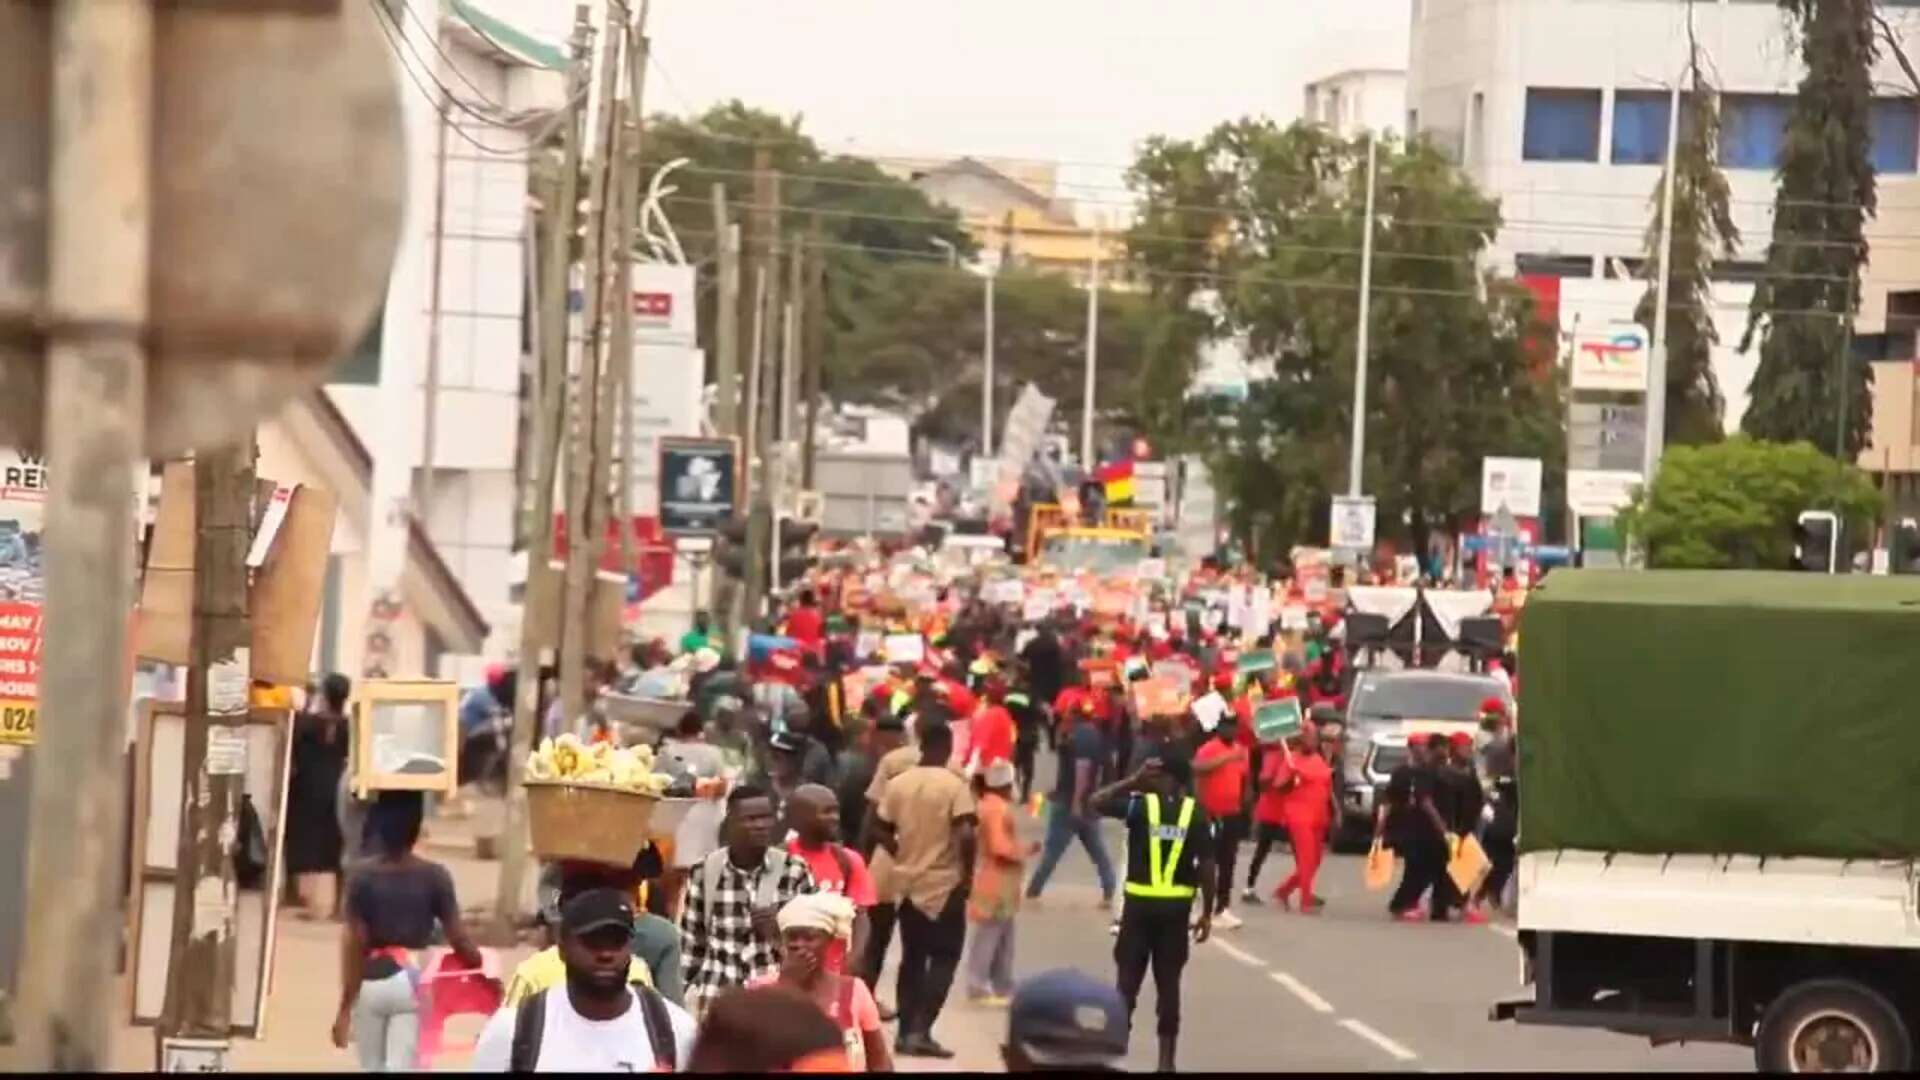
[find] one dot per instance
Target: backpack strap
(666, 1050)
(529, 1028)
(845, 863)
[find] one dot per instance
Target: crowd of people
(879, 752)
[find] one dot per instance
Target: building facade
(1352, 102)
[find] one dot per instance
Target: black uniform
(1410, 831)
(1505, 826)
(1154, 930)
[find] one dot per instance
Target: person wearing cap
(995, 897)
(559, 883)
(1461, 780)
(1065, 1021)
(1170, 846)
(1409, 820)
(809, 928)
(596, 1021)
(1498, 760)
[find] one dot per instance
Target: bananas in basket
(567, 759)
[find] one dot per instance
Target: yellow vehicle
(1055, 540)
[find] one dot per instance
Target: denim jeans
(386, 1023)
(1062, 829)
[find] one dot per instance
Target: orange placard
(1158, 696)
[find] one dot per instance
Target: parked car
(1384, 708)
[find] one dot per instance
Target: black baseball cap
(596, 909)
(1068, 1018)
(786, 742)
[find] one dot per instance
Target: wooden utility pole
(815, 349)
(766, 263)
(630, 195)
(726, 323)
(558, 197)
(200, 973)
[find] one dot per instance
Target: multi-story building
(1357, 100)
(1014, 213)
(1560, 108)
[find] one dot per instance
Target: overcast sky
(1074, 81)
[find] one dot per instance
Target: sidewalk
(305, 992)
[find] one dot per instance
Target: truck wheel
(1832, 1025)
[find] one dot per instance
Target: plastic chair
(447, 990)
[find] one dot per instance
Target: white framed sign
(1614, 358)
(1512, 483)
(1353, 522)
(1600, 492)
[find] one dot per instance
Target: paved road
(1344, 990)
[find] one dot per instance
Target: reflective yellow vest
(1163, 863)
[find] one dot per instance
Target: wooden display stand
(406, 736)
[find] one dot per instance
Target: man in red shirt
(814, 812)
(993, 729)
(806, 625)
(1220, 768)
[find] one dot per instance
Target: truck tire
(1832, 1025)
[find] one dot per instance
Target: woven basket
(589, 822)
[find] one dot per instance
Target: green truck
(1720, 812)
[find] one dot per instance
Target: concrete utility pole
(1093, 357)
(726, 323)
(1358, 449)
(204, 950)
(766, 260)
(1657, 361)
(99, 211)
(558, 198)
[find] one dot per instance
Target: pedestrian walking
(727, 927)
(886, 908)
(809, 926)
(1409, 820)
(655, 947)
(995, 896)
(315, 844)
(815, 818)
(1220, 766)
(1069, 815)
(395, 901)
(1304, 779)
(1065, 1021)
(1498, 762)
(1169, 860)
(596, 1020)
(1460, 779)
(926, 821)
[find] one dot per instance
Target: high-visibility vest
(1163, 863)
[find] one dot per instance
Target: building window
(1561, 125)
(1896, 135)
(1753, 130)
(1560, 266)
(1640, 126)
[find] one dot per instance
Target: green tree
(1806, 387)
(1270, 220)
(1703, 233)
(1732, 505)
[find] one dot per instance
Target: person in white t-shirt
(596, 1021)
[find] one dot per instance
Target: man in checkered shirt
(727, 928)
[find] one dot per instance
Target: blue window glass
(1753, 130)
(1640, 126)
(1561, 125)
(1896, 135)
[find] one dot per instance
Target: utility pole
(726, 323)
(1657, 365)
(586, 472)
(1093, 357)
(781, 493)
(623, 352)
(558, 197)
(986, 370)
(201, 970)
(99, 208)
(816, 349)
(766, 258)
(1358, 450)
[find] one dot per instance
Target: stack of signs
(1158, 696)
(1277, 719)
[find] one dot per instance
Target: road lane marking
(1392, 1048)
(1302, 991)
(1240, 954)
(1504, 931)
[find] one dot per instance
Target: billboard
(699, 484)
(1512, 484)
(1614, 358)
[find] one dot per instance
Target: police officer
(1169, 860)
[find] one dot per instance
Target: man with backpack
(814, 814)
(728, 930)
(597, 1021)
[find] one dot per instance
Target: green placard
(1254, 663)
(1277, 719)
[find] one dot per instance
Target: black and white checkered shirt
(721, 950)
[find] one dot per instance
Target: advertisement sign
(1352, 525)
(1600, 492)
(1614, 358)
(23, 493)
(1512, 484)
(699, 484)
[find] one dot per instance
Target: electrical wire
(433, 38)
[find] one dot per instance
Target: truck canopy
(1721, 712)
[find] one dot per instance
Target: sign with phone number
(18, 719)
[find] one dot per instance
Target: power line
(433, 38)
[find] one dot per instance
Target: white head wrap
(830, 912)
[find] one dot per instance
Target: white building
(1560, 107)
(1357, 100)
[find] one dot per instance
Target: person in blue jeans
(1082, 749)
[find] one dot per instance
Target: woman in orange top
(1307, 810)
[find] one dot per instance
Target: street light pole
(1093, 355)
(1359, 446)
(986, 375)
(953, 254)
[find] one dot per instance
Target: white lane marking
(1393, 1049)
(1240, 954)
(1302, 991)
(1504, 931)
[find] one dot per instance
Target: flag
(1117, 478)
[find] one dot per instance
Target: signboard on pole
(699, 484)
(1026, 422)
(1600, 492)
(1513, 483)
(1353, 523)
(1614, 358)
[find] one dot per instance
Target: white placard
(1612, 358)
(226, 750)
(905, 648)
(1353, 522)
(1510, 482)
(1600, 492)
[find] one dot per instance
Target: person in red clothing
(1306, 783)
(1269, 815)
(1220, 768)
(806, 625)
(993, 729)
(814, 813)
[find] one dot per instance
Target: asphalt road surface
(1343, 990)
